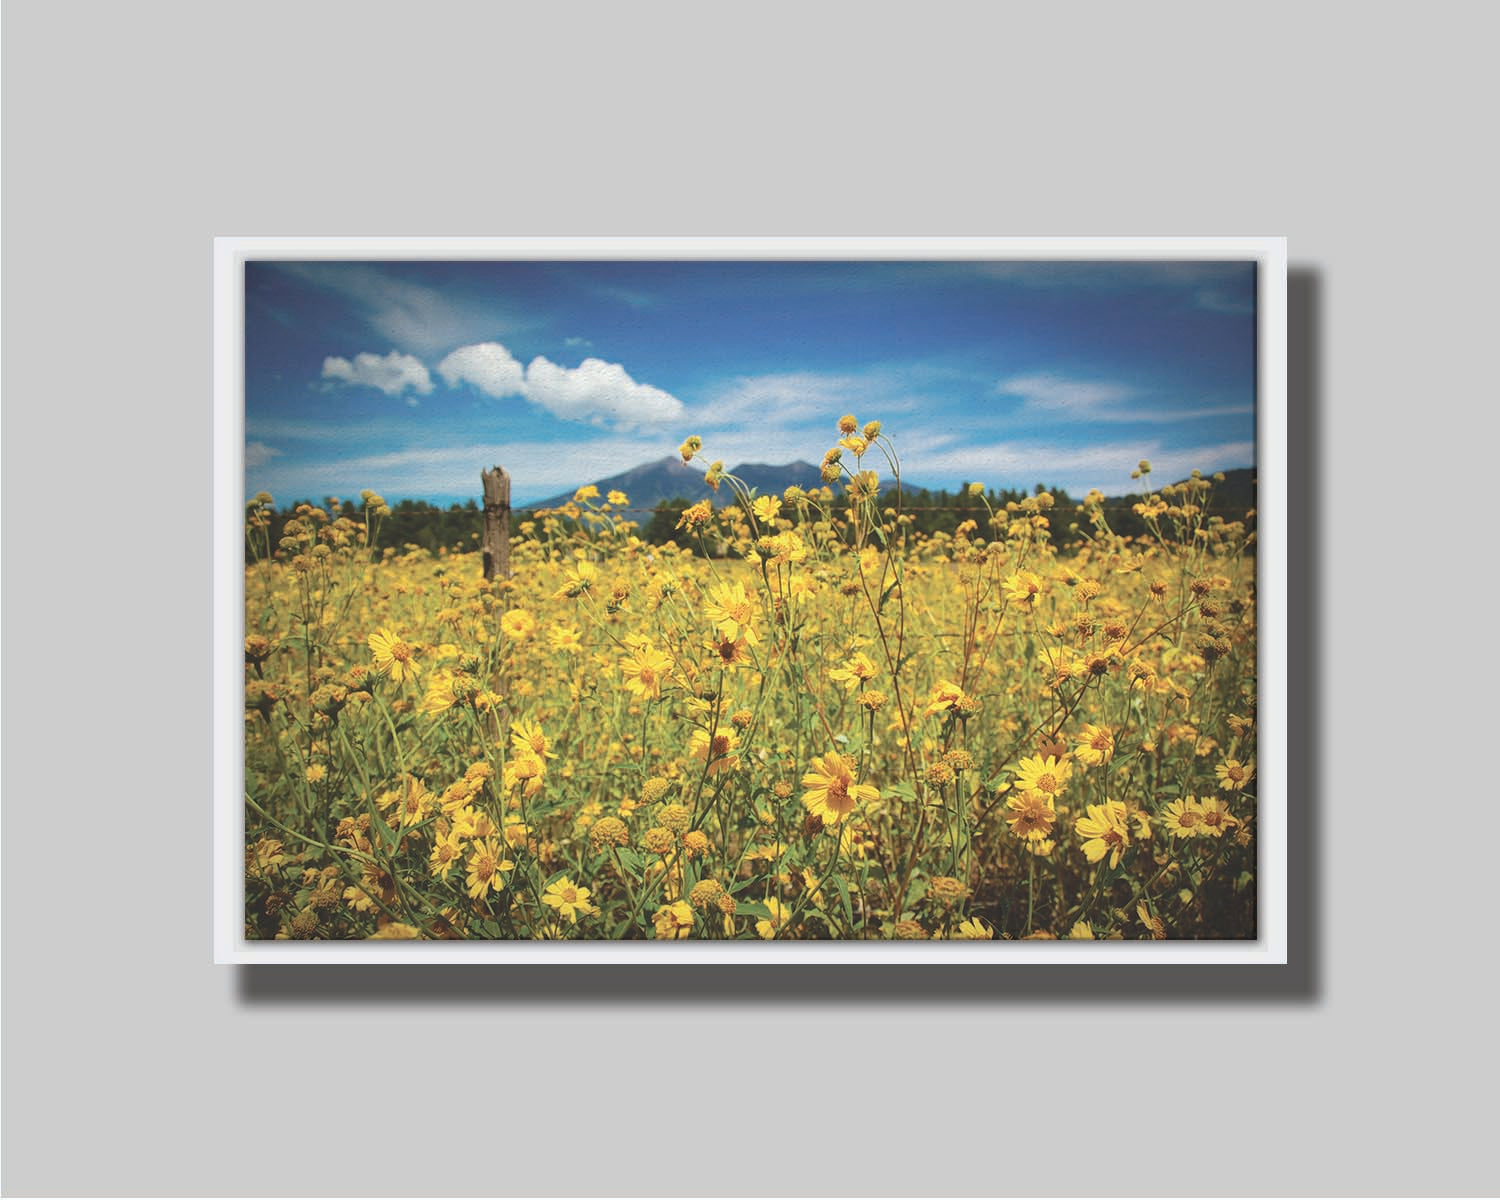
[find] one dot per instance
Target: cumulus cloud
(392, 374)
(488, 366)
(595, 391)
(600, 392)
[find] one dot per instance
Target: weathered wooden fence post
(496, 523)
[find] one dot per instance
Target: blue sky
(411, 377)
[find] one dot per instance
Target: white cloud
(392, 374)
(814, 401)
(595, 391)
(488, 366)
(413, 316)
(598, 392)
(1058, 394)
(1076, 468)
(1092, 400)
(258, 454)
(538, 469)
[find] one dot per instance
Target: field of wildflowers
(819, 725)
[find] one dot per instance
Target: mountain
(670, 478)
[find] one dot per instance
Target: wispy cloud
(258, 454)
(1106, 466)
(815, 399)
(630, 297)
(1220, 287)
(1056, 393)
(407, 314)
(1069, 399)
(392, 374)
(538, 469)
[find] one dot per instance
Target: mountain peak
(669, 478)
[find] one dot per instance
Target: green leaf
(633, 863)
(842, 885)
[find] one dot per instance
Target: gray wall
(135, 133)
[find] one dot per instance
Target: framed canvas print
(754, 600)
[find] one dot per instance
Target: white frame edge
(230, 255)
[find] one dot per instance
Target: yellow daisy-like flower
(1023, 587)
(1105, 832)
(1233, 774)
(1216, 818)
(673, 920)
(769, 927)
(440, 695)
(565, 638)
(569, 899)
(729, 653)
(718, 752)
(393, 657)
(1046, 775)
(1183, 818)
(1095, 746)
(1031, 815)
(833, 788)
(618, 498)
(644, 670)
(766, 508)
(487, 866)
(447, 852)
(857, 669)
(518, 625)
(580, 578)
(975, 929)
(416, 803)
(396, 931)
(528, 736)
(732, 611)
(525, 769)
(945, 695)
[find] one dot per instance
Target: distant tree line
(410, 523)
(459, 527)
